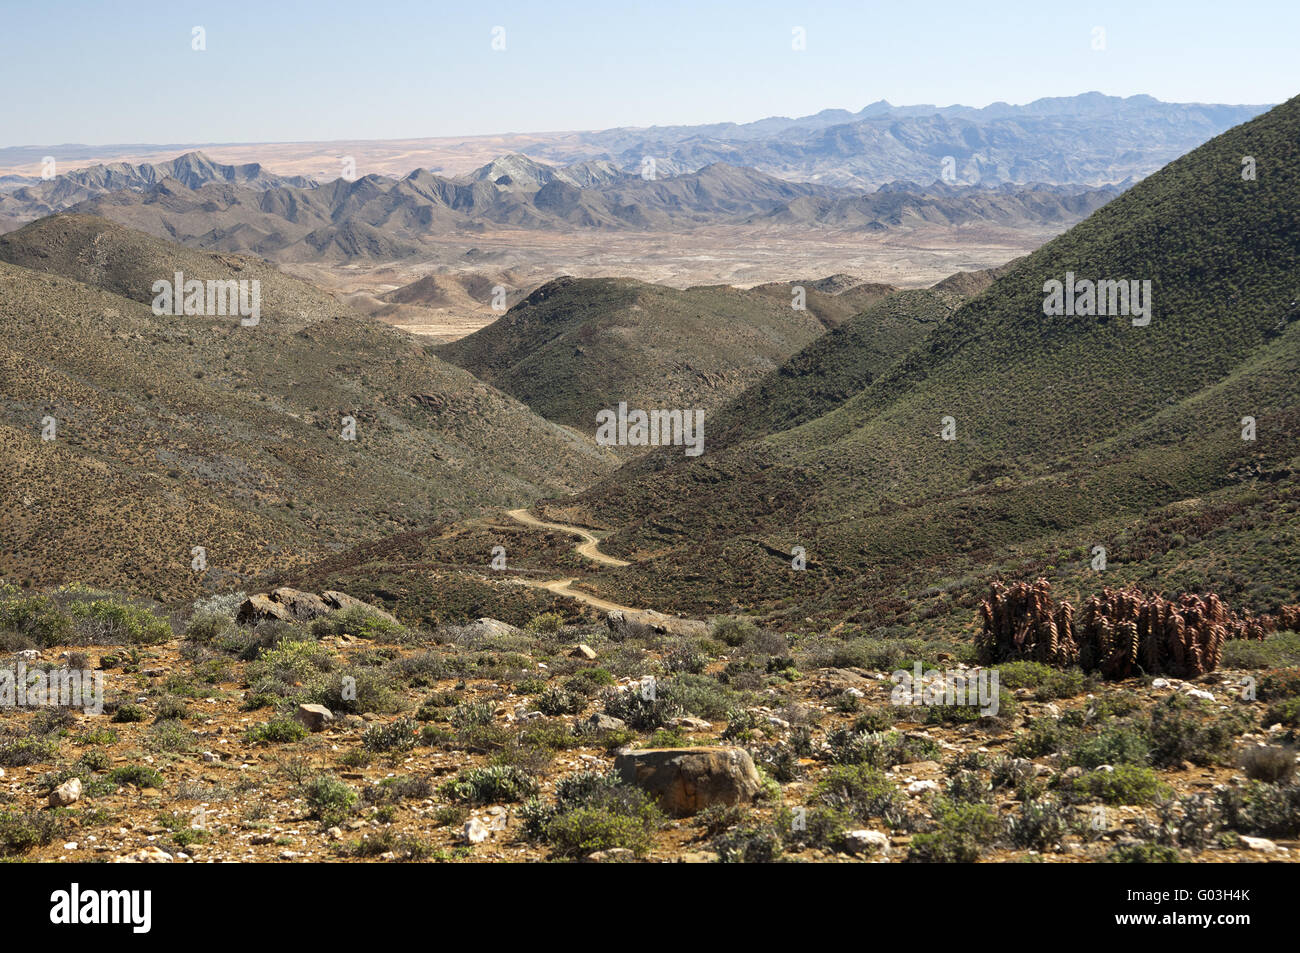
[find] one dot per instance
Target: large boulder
(303, 606)
(687, 780)
(623, 625)
(314, 717)
(294, 605)
(261, 607)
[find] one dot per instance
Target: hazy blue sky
(118, 72)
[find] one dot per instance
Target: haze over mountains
(1088, 139)
(224, 208)
(1048, 163)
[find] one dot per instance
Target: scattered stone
(211, 758)
(602, 722)
(489, 629)
(584, 651)
(146, 855)
(475, 832)
(69, 792)
(866, 842)
(612, 855)
(1201, 693)
(697, 857)
(689, 723)
(314, 717)
(1259, 843)
(917, 788)
(687, 780)
(1160, 683)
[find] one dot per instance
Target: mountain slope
(1070, 431)
(175, 432)
(575, 347)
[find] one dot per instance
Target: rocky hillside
(167, 433)
(1077, 441)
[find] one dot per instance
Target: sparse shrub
(1284, 712)
(360, 622)
(329, 800)
(545, 623)
(697, 695)
(861, 791)
(558, 701)
(1044, 736)
(136, 775)
(639, 712)
(29, 750)
(685, 658)
(589, 681)
(749, 844)
(110, 622)
(472, 715)
(36, 619)
(733, 631)
(1040, 824)
(172, 708)
(1118, 743)
(1267, 810)
(880, 749)
(969, 787)
(398, 735)
(1126, 784)
(964, 831)
(279, 730)
(403, 847)
(1143, 854)
(169, 735)
(493, 784)
(1269, 763)
(20, 831)
(1182, 729)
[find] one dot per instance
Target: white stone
(866, 842)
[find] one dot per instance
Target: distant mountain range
(1089, 139)
(247, 210)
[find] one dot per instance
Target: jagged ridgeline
(169, 432)
(1069, 431)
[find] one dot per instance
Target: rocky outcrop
(687, 780)
(624, 625)
(294, 605)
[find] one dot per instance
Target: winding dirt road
(589, 547)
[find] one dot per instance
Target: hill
(1071, 432)
(575, 346)
(172, 432)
